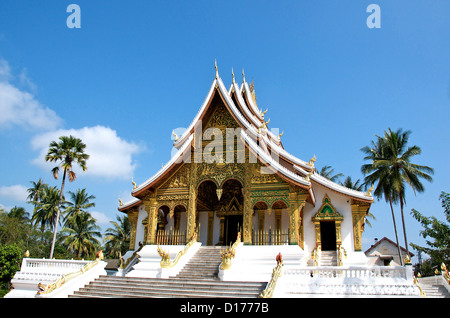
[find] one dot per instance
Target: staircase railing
(165, 257)
(342, 254)
(229, 253)
(315, 255)
(445, 276)
(416, 282)
(270, 288)
(48, 288)
(125, 266)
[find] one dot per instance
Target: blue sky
(136, 70)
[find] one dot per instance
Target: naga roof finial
(243, 75)
(217, 72)
(232, 74)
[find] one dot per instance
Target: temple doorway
(233, 224)
(328, 235)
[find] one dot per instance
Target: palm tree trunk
(403, 224)
(396, 235)
(57, 214)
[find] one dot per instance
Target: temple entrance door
(328, 235)
(232, 224)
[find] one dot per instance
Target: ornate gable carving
(327, 212)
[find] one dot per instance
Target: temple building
(230, 173)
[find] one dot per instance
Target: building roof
(257, 137)
(386, 240)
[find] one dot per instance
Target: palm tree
(80, 235)
(81, 201)
(19, 213)
(327, 172)
(68, 151)
(403, 171)
(378, 174)
(35, 192)
(47, 207)
(348, 183)
(392, 168)
(118, 238)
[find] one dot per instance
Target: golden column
(133, 218)
(192, 207)
(150, 204)
(248, 211)
(359, 211)
(296, 203)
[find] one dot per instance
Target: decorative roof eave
(131, 204)
(276, 167)
(286, 155)
(216, 86)
(354, 194)
(245, 90)
(176, 159)
(242, 105)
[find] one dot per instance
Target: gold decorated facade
(239, 190)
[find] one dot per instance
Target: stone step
(197, 279)
(111, 286)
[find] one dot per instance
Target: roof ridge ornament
(134, 183)
(311, 161)
(175, 135)
(263, 112)
(369, 192)
(217, 72)
(232, 74)
(279, 136)
(243, 76)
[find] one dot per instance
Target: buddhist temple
(231, 173)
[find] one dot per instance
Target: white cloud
(16, 192)
(110, 155)
(18, 107)
(101, 218)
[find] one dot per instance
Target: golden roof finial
(134, 183)
(232, 74)
(369, 192)
(243, 75)
(120, 202)
(263, 112)
(279, 136)
(175, 135)
(217, 71)
(311, 161)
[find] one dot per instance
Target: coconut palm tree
(391, 166)
(47, 207)
(35, 192)
(327, 172)
(80, 235)
(348, 183)
(19, 213)
(376, 173)
(117, 238)
(68, 151)
(80, 202)
(404, 172)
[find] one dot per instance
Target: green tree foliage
(436, 233)
(67, 152)
(80, 235)
(117, 238)
(391, 169)
(10, 261)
